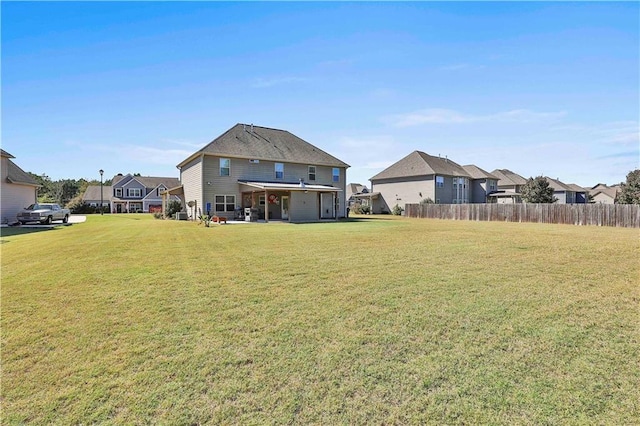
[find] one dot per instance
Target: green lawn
(126, 319)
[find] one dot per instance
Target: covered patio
(294, 202)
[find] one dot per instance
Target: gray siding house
(17, 189)
(131, 194)
(272, 172)
(509, 185)
(419, 176)
(482, 185)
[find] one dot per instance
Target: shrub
(173, 208)
(426, 201)
(397, 210)
(157, 215)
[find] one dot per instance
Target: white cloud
(449, 116)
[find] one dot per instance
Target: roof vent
(302, 185)
(251, 127)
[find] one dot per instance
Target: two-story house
(509, 185)
(420, 176)
(273, 173)
(131, 194)
(17, 188)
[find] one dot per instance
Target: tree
(537, 190)
(630, 190)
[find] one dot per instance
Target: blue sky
(538, 88)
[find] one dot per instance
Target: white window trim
(315, 170)
(225, 203)
(220, 167)
(275, 169)
(118, 192)
(130, 190)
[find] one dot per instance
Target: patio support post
(266, 206)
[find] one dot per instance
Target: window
(225, 167)
(118, 192)
(133, 192)
(336, 174)
(225, 203)
(312, 172)
(161, 189)
(261, 200)
(440, 181)
(279, 171)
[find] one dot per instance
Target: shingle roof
(477, 173)
(93, 193)
(609, 191)
(149, 182)
(153, 182)
(263, 143)
(4, 153)
(16, 175)
(419, 163)
(577, 188)
(557, 185)
(507, 177)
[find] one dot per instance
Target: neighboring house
(93, 197)
(509, 186)
(582, 194)
(419, 176)
(17, 189)
(562, 193)
(131, 194)
(354, 189)
(272, 172)
(567, 193)
(604, 194)
(482, 185)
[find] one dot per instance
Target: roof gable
(477, 173)
(16, 175)
(263, 143)
(419, 163)
(507, 177)
(92, 193)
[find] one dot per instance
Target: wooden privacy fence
(622, 215)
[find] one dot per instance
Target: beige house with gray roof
(273, 173)
(17, 189)
(420, 176)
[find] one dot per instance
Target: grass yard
(126, 319)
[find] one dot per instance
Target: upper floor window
(225, 167)
(440, 181)
(161, 189)
(118, 192)
(312, 172)
(279, 171)
(134, 192)
(336, 174)
(493, 185)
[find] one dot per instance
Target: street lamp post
(101, 202)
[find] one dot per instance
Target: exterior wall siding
(304, 206)
(13, 197)
(242, 169)
(478, 191)
(394, 191)
(191, 179)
